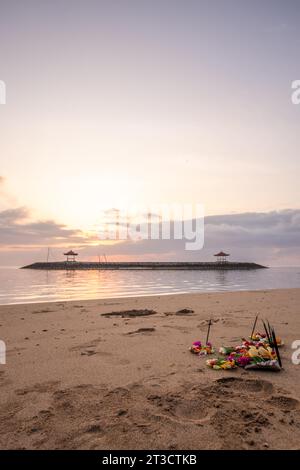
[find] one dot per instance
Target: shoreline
(75, 379)
(162, 294)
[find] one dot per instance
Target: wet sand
(78, 379)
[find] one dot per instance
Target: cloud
(269, 238)
(11, 216)
(17, 230)
(276, 228)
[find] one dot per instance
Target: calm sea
(24, 286)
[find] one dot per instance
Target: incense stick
(267, 333)
(208, 330)
(254, 325)
(276, 347)
(270, 329)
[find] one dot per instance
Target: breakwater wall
(149, 265)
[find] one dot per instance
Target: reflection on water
(23, 286)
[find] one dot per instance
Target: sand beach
(78, 379)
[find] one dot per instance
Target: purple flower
(197, 343)
(243, 361)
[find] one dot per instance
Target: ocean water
(26, 286)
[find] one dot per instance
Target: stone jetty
(149, 265)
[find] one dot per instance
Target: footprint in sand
(245, 385)
(191, 409)
(284, 403)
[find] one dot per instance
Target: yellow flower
(253, 351)
(264, 352)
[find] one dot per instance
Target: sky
(118, 102)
